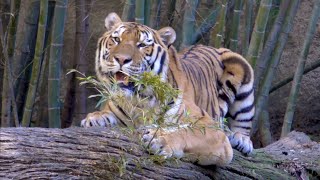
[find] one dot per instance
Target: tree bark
(100, 153)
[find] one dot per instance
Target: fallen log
(100, 153)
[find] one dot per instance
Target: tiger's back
(222, 83)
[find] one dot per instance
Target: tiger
(213, 84)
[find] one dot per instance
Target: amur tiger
(214, 83)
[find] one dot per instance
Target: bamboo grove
(32, 47)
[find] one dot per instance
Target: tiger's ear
(168, 35)
(111, 20)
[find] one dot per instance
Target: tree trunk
(94, 153)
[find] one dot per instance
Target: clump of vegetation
(136, 107)
(140, 112)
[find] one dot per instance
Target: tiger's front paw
(241, 143)
(99, 119)
(158, 143)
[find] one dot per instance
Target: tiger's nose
(122, 59)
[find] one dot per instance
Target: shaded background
(307, 114)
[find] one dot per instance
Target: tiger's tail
(236, 96)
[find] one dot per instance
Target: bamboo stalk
(140, 11)
(9, 76)
(42, 120)
(264, 125)
(235, 26)
(218, 37)
(229, 13)
(6, 100)
(288, 118)
(55, 63)
(205, 26)
(287, 80)
(270, 44)
(155, 14)
(147, 11)
(128, 12)
(267, 80)
(170, 13)
(258, 31)
(248, 14)
(33, 85)
(24, 52)
(81, 41)
(273, 15)
(188, 24)
(207, 6)
(75, 106)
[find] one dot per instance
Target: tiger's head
(129, 49)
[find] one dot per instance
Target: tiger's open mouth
(121, 77)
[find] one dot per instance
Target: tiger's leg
(240, 124)
(241, 114)
(206, 146)
(109, 116)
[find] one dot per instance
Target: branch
(284, 82)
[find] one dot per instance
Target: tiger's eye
(117, 39)
(141, 45)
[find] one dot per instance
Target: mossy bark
(79, 153)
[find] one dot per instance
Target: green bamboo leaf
(96, 95)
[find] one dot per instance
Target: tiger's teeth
(126, 80)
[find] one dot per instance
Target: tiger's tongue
(121, 77)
